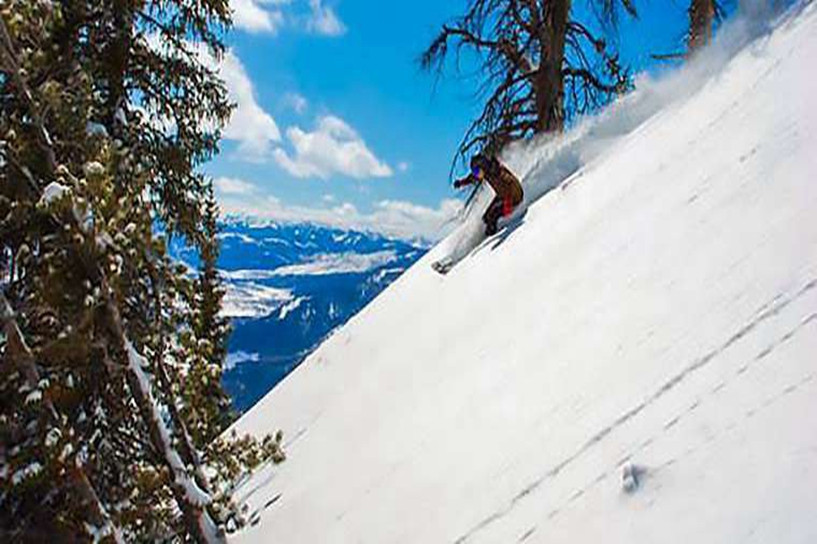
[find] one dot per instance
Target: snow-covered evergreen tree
(111, 353)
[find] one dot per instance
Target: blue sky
(337, 124)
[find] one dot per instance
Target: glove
(460, 183)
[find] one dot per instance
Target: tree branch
(586, 76)
(21, 354)
(198, 521)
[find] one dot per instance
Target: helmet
(479, 162)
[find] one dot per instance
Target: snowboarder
(506, 186)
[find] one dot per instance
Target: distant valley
(288, 287)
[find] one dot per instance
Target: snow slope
(659, 309)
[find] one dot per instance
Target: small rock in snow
(631, 477)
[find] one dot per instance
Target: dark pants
(491, 216)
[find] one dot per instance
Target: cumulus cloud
(252, 127)
(323, 20)
(406, 219)
(394, 218)
(258, 16)
(233, 186)
(332, 148)
(268, 16)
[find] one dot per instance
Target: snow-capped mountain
(288, 287)
(633, 362)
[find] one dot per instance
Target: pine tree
(206, 406)
(111, 352)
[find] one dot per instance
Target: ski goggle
(476, 171)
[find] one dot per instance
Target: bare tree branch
(535, 68)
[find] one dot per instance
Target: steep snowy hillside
(291, 285)
(654, 317)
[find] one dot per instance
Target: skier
(506, 186)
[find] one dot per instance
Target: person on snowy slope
(506, 186)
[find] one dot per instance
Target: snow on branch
(189, 497)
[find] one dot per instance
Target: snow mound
(650, 326)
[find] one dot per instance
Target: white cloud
(323, 20)
(233, 186)
(332, 148)
(268, 16)
(406, 219)
(258, 16)
(395, 218)
(403, 166)
(250, 125)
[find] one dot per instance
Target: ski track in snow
(776, 306)
(659, 313)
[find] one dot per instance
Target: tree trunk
(18, 351)
(548, 84)
(187, 449)
(188, 495)
(701, 17)
(117, 59)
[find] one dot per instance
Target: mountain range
(288, 287)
